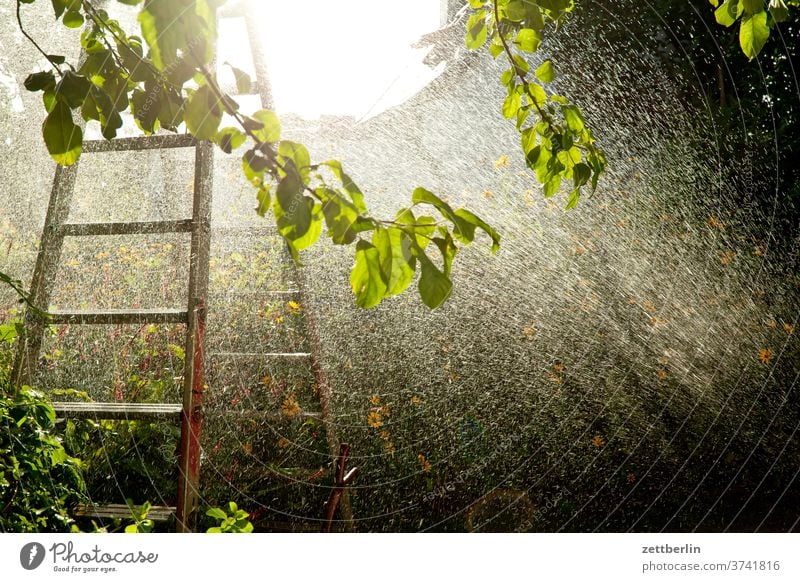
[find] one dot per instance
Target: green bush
(38, 479)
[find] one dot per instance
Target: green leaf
(73, 19)
(573, 117)
(40, 81)
(170, 109)
(64, 139)
(779, 10)
(216, 513)
(143, 111)
(552, 186)
(340, 216)
(581, 174)
(573, 200)
(476, 30)
(98, 106)
(264, 198)
(420, 227)
(244, 85)
(434, 286)
(396, 258)
(72, 89)
(472, 219)
(511, 105)
(299, 219)
(538, 94)
(349, 186)
(727, 14)
(528, 40)
(545, 72)
(254, 164)
(298, 153)
(753, 34)
(448, 249)
(60, 6)
(267, 128)
(752, 6)
(229, 139)
(203, 114)
(366, 278)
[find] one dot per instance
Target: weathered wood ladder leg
(312, 331)
(44, 272)
(194, 381)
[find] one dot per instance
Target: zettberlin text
(665, 549)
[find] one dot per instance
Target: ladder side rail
(193, 384)
(315, 346)
(42, 283)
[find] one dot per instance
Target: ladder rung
(149, 142)
(116, 410)
(120, 316)
(256, 355)
(260, 414)
(121, 511)
(111, 228)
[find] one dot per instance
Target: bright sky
(346, 57)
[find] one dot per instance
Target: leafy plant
(38, 479)
(557, 144)
(231, 520)
(755, 17)
(141, 523)
(163, 78)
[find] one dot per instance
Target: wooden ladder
(56, 229)
(190, 412)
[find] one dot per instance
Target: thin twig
(33, 42)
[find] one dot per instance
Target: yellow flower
(662, 374)
(424, 463)
(501, 162)
(488, 194)
(714, 222)
(416, 400)
(375, 400)
(247, 448)
(266, 380)
(788, 328)
(283, 442)
(598, 441)
(529, 331)
(765, 355)
(388, 447)
(294, 306)
(384, 434)
(727, 257)
(290, 407)
(374, 419)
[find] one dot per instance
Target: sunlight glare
(350, 57)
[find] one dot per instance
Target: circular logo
(31, 555)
